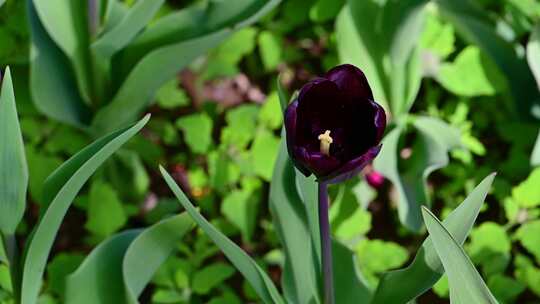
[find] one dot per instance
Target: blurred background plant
(456, 76)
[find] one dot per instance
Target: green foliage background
(216, 125)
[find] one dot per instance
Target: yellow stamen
(326, 140)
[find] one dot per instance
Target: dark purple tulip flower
(334, 127)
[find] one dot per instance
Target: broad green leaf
(206, 279)
(251, 271)
(529, 236)
(264, 152)
(466, 284)
(100, 275)
(430, 152)
(271, 114)
(350, 286)
(490, 247)
(240, 208)
(65, 23)
(324, 10)
(526, 272)
(41, 165)
(57, 96)
(438, 37)
(533, 53)
(271, 49)
(473, 24)
(471, 74)
(150, 250)
(170, 96)
(147, 77)
(527, 193)
(197, 130)
(14, 172)
(105, 212)
(61, 188)
(290, 221)
(2, 2)
(118, 269)
(134, 20)
(241, 125)
(426, 268)
(389, 256)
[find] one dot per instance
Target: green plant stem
(326, 244)
(12, 253)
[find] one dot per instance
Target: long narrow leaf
(466, 284)
(289, 216)
(258, 279)
(148, 75)
(533, 53)
(14, 171)
(71, 176)
(52, 83)
(426, 268)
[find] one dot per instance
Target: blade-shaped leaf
(118, 270)
(533, 53)
(426, 268)
(258, 279)
(350, 286)
(65, 23)
(149, 250)
(63, 186)
(289, 216)
(99, 278)
(466, 284)
(135, 19)
(14, 172)
(52, 83)
(195, 21)
(147, 77)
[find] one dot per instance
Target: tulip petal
(351, 81)
(352, 167)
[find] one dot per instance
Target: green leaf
(438, 37)
(490, 247)
(14, 173)
(527, 193)
(350, 286)
(210, 277)
(466, 284)
(170, 96)
(533, 53)
(65, 23)
(271, 49)
(59, 268)
(147, 77)
(41, 165)
(240, 208)
(197, 130)
(105, 213)
(299, 279)
(100, 275)
(57, 96)
(241, 125)
(471, 74)
(132, 22)
(529, 236)
(150, 250)
(271, 114)
(430, 152)
(426, 268)
(264, 152)
(60, 190)
(324, 10)
(535, 156)
(473, 24)
(118, 269)
(504, 288)
(389, 255)
(251, 271)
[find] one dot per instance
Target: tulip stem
(326, 244)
